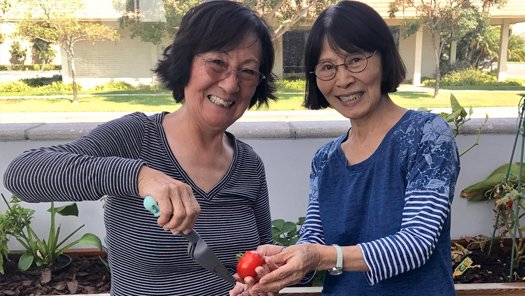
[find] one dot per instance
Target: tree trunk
(438, 80)
(71, 62)
(436, 41)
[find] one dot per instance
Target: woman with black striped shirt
(202, 177)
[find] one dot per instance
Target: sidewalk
(249, 116)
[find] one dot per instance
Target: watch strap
(338, 268)
(339, 259)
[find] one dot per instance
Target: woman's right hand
(265, 251)
(178, 207)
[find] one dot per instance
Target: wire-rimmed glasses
(220, 69)
(355, 62)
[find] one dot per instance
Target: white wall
(287, 163)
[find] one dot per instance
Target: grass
(290, 97)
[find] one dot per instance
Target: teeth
(218, 101)
(350, 98)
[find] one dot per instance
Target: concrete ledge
(493, 289)
(243, 130)
(493, 126)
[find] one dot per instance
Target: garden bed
(88, 274)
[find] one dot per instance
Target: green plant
(286, 233)
(459, 116)
(39, 253)
(41, 81)
(14, 86)
(114, 85)
(506, 188)
(18, 54)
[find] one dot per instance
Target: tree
(18, 53)
(283, 15)
(444, 20)
(280, 14)
(43, 52)
(479, 46)
(155, 22)
(5, 7)
(54, 21)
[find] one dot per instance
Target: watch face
(335, 271)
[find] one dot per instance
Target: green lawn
(290, 96)
(287, 101)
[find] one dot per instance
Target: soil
(493, 268)
(85, 275)
(89, 275)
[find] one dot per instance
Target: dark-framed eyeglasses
(355, 62)
(220, 69)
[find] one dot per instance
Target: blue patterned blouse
(395, 206)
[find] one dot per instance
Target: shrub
(59, 87)
(470, 78)
(291, 85)
(115, 85)
(18, 53)
(467, 77)
(41, 81)
(14, 86)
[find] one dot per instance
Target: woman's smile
(350, 98)
(220, 102)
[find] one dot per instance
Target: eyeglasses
(355, 63)
(220, 69)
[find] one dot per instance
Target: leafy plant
(18, 53)
(286, 233)
(39, 253)
(491, 187)
(459, 117)
(506, 188)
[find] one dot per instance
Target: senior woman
(378, 217)
(202, 177)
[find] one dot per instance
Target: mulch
(85, 275)
(89, 274)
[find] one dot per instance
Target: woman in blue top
(378, 217)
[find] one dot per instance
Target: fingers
(178, 207)
(276, 281)
(288, 268)
(181, 211)
(269, 250)
(238, 289)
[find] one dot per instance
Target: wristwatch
(338, 268)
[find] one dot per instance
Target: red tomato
(247, 264)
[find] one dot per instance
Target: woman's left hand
(287, 268)
(242, 290)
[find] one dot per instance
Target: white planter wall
(286, 149)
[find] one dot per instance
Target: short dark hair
(351, 26)
(210, 26)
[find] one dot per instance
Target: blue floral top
(395, 206)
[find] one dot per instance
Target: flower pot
(507, 289)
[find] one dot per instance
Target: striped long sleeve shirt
(145, 259)
(395, 206)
